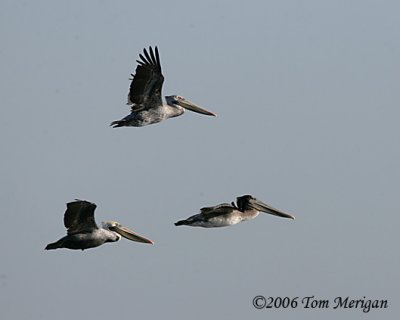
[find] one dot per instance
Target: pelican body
(83, 232)
(246, 208)
(145, 97)
(86, 240)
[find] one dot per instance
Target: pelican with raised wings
(83, 232)
(145, 98)
(246, 208)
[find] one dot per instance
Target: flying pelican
(247, 207)
(145, 99)
(83, 232)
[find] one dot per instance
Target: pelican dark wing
(146, 85)
(79, 217)
(218, 210)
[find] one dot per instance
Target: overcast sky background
(307, 96)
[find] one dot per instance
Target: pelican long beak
(129, 234)
(184, 103)
(261, 206)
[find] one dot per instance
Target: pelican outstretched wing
(218, 210)
(79, 217)
(146, 85)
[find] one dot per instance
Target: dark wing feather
(146, 85)
(219, 210)
(79, 217)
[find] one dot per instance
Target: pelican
(145, 99)
(82, 230)
(246, 208)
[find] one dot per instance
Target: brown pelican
(145, 95)
(83, 232)
(225, 214)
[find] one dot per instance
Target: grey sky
(307, 96)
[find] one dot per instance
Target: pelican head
(124, 232)
(248, 202)
(188, 105)
(109, 225)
